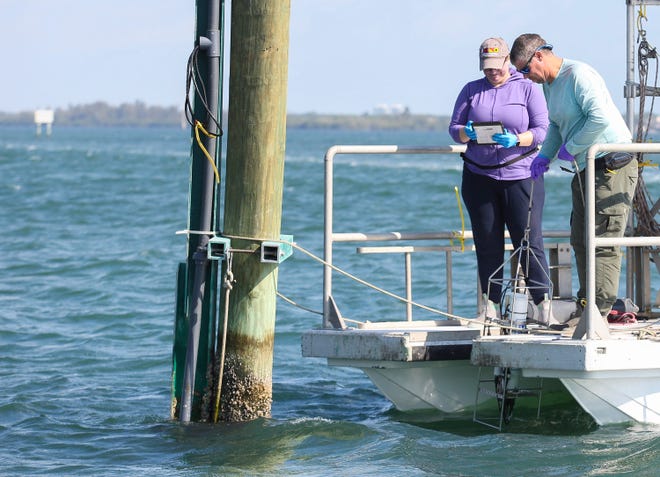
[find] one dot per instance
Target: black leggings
(492, 204)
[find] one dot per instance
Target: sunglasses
(525, 69)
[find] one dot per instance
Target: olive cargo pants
(614, 195)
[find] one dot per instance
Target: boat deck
(393, 341)
(561, 356)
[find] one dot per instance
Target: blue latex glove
(506, 139)
(564, 155)
(469, 131)
(540, 166)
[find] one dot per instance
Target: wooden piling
(253, 198)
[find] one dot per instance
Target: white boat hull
(417, 366)
(614, 380)
(446, 386)
(615, 400)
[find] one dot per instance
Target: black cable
(193, 78)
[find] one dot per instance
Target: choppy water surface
(88, 259)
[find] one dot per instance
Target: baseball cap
(493, 53)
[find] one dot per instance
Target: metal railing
(448, 250)
(591, 240)
(330, 237)
(590, 216)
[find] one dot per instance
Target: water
(88, 262)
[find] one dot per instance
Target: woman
(496, 184)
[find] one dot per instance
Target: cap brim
(495, 63)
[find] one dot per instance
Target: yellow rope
(461, 238)
(641, 14)
(199, 126)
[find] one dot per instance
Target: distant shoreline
(367, 122)
(138, 114)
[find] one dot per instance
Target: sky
(345, 56)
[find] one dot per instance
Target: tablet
(485, 131)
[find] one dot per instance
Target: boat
(426, 364)
(456, 364)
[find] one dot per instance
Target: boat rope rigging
(647, 331)
(643, 206)
(357, 279)
(298, 305)
(644, 332)
(228, 284)
(376, 288)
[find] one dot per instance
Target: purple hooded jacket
(520, 106)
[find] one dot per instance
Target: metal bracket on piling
(277, 252)
(218, 247)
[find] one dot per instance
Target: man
(582, 113)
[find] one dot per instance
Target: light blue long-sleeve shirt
(581, 112)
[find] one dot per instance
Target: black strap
(504, 164)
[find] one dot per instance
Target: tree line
(136, 114)
(139, 114)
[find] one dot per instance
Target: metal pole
(632, 268)
(204, 197)
(449, 277)
(590, 215)
(408, 267)
(590, 201)
(327, 234)
(630, 89)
